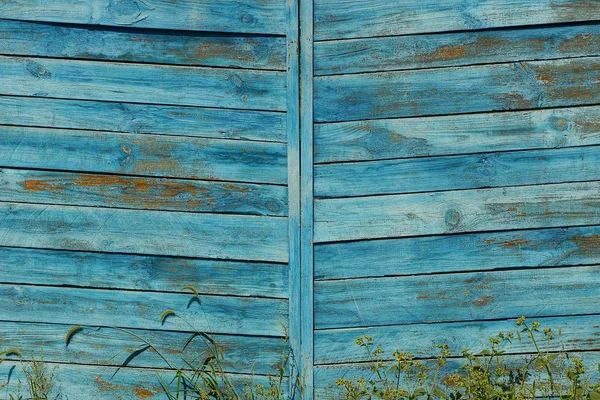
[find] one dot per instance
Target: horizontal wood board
(143, 83)
(143, 118)
(455, 49)
(242, 16)
(142, 310)
(432, 174)
(221, 236)
(342, 19)
(45, 187)
(142, 273)
(523, 207)
(382, 139)
(158, 47)
(112, 347)
(456, 297)
(92, 382)
(537, 248)
(480, 88)
(332, 346)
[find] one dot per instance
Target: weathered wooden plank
(90, 382)
(142, 310)
(111, 347)
(243, 16)
(459, 253)
(497, 209)
(186, 48)
(148, 155)
(143, 118)
(141, 193)
(132, 272)
(143, 83)
(457, 297)
(325, 376)
(336, 19)
(511, 86)
(144, 232)
(334, 346)
(458, 172)
(455, 49)
(456, 134)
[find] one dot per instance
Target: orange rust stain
(151, 192)
(516, 100)
(41, 185)
(578, 42)
(104, 386)
(545, 79)
(142, 393)
(515, 242)
(447, 52)
(587, 242)
(484, 301)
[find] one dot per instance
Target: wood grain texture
(456, 134)
(458, 253)
(147, 155)
(512, 86)
(307, 110)
(144, 232)
(172, 47)
(111, 347)
(339, 345)
(44, 187)
(335, 19)
(92, 382)
(143, 83)
(143, 273)
(458, 172)
(143, 118)
(142, 310)
(294, 193)
(455, 212)
(242, 16)
(455, 49)
(456, 297)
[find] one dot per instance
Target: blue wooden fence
(420, 171)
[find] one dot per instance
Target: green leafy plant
(203, 377)
(486, 375)
(39, 379)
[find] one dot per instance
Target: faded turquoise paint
(146, 146)
(455, 175)
(417, 171)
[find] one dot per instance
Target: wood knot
(38, 71)
(559, 123)
(128, 12)
(247, 18)
(452, 219)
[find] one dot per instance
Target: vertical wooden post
(294, 215)
(306, 172)
(300, 156)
